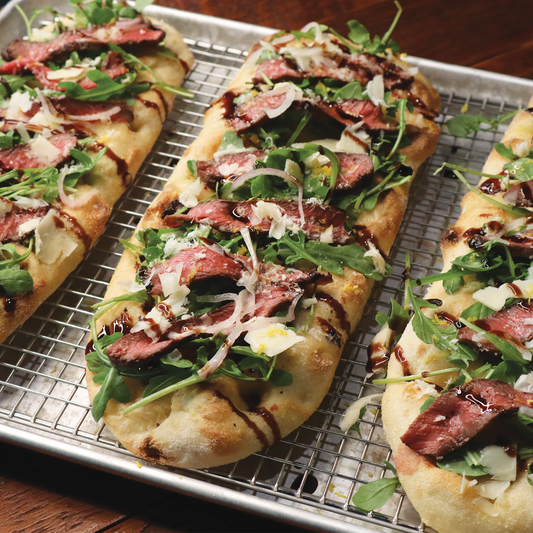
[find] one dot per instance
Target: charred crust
(150, 451)
(450, 237)
(171, 208)
(332, 335)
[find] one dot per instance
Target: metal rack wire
(318, 467)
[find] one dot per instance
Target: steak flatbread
(79, 113)
(228, 312)
(461, 432)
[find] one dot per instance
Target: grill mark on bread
(252, 425)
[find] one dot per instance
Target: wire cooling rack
(318, 467)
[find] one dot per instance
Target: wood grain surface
(43, 494)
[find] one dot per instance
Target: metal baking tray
(309, 478)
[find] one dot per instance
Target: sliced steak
(74, 108)
(11, 229)
(198, 263)
(254, 111)
(460, 414)
(365, 66)
(515, 323)
(227, 167)
(138, 350)
(113, 66)
(233, 216)
(356, 169)
(361, 67)
(349, 112)
(278, 69)
(520, 194)
(519, 244)
(27, 156)
(346, 112)
(71, 109)
(19, 54)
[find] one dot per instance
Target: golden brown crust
(225, 420)
(128, 145)
(436, 493)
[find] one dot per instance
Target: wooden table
(40, 493)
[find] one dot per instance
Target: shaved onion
(289, 99)
(69, 201)
(245, 232)
(103, 116)
(220, 355)
(124, 23)
(352, 414)
(273, 172)
(283, 39)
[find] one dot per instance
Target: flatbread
(441, 497)
(225, 420)
(127, 146)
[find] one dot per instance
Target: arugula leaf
(465, 460)
(360, 35)
(191, 165)
(12, 278)
(141, 5)
(330, 257)
(106, 87)
(130, 58)
(113, 385)
(356, 426)
(508, 350)
(464, 125)
(397, 319)
(375, 494)
(230, 140)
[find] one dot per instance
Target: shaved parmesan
(492, 490)
(305, 57)
(51, 242)
(272, 212)
(178, 300)
(44, 149)
(23, 132)
(28, 226)
(70, 74)
(352, 414)
(425, 389)
(5, 207)
(485, 506)
(293, 169)
(495, 297)
(189, 197)
(522, 150)
(347, 144)
(327, 236)
(272, 339)
(130, 285)
(170, 281)
(376, 90)
(377, 258)
(19, 104)
(525, 383)
(25, 202)
(466, 484)
(499, 465)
